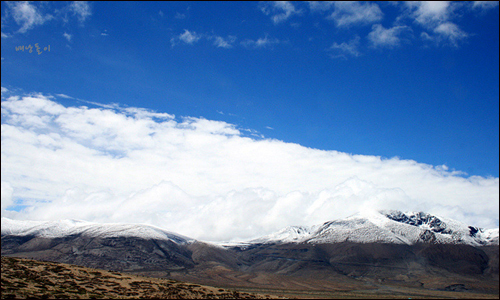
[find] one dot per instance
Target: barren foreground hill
(26, 278)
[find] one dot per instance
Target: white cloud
(81, 9)
(188, 37)
(64, 96)
(261, 42)
(31, 14)
(451, 32)
(27, 15)
(445, 34)
(221, 42)
(67, 36)
(204, 178)
(191, 37)
(430, 13)
(280, 10)
(381, 37)
(350, 48)
(347, 13)
(435, 21)
(485, 4)
(6, 192)
(436, 16)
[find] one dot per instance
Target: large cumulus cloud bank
(203, 178)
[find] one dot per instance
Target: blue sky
(434, 101)
(415, 81)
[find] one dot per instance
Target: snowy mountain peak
(392, 226)
(419, 219)
(62, 228)
(289, 234)
(386, 226)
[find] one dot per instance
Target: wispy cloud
(346, 49)
(27, 15)
(279, 10)
(346, 13)
(451, 32)
(436, 16)
(192, 37)
(221, 42)
(188, 37)
(67, 36)
(430, 13)
(320, 5)
(31, 14)
(260, 42)
(81, 9)
(180, 16)
(382, 37)
(64, 96)
(485, 4)
(437, 19)
(204, 178)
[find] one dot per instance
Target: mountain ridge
(357, 251)
(390, 226)
(61, 228)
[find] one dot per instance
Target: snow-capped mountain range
(62, 228)
(367, 227)
(387, 227)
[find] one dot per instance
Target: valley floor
(385, 292)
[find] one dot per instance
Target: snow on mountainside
(52, 229)
(491, 235)
(367, 227)
(387, 227)
(289, 234)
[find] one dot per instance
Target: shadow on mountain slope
(298, 266)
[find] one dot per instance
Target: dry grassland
(25, 278)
